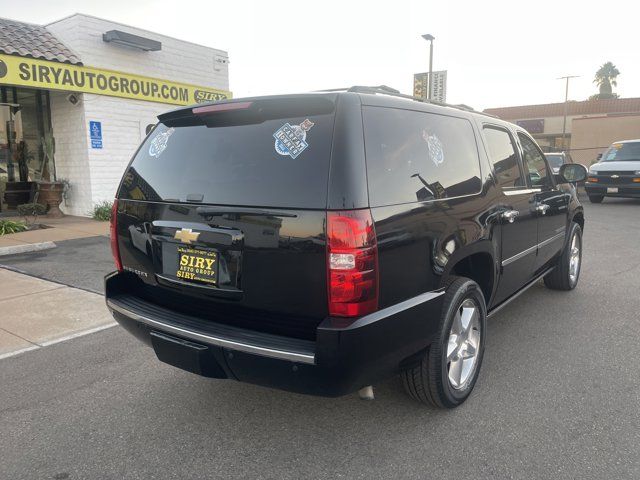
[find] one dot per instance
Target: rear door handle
(542, 208)
(510, 215)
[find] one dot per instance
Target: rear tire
(596, 198)
(566, 274)
(447, 372)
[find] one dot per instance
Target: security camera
(73, 99)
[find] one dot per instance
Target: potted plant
(17, 193)
(50, 191)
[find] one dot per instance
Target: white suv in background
(617, 172)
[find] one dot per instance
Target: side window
(503, 155)
(534, 162)
(416, 156)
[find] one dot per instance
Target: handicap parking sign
(95, 133)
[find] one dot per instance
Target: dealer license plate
(194, 264)
(612, 190)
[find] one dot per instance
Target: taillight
(113, 233)
(352, 258)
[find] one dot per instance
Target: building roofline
(21, 21)
(78, 14)
(68, 54)
(573, 108)
(562, 103)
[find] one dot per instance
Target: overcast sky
(496, 53)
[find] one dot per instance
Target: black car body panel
(266, 319)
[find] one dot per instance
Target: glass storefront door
(24, 119)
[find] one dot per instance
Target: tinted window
(238, 164)
(620, 152)
(534, 162)
(414, 156)
(504, 158)
(555, 160)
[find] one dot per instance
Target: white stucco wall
(123, 127)
(72, 155)
(178, 60)
(95, 173)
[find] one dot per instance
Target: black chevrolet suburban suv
(322, 242)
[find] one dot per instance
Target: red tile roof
(34, 41)
(589, 107)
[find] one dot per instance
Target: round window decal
(159, 143)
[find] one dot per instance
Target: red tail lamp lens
(352, 263)
(113, 233)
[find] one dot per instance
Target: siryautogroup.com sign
(28, 72)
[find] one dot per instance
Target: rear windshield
(620, 152)
(253, 160)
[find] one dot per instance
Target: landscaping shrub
(102, 211)
(9, 226)
(31, 210)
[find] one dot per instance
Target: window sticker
(291, 139)
(159, 143)
(436, 152)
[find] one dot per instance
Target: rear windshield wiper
(209, 212)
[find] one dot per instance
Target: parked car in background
(617, 172)
(321, 243)
(557, 159)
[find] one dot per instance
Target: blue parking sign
(95, 133)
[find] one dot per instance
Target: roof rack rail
(385, 90)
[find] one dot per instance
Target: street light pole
(430, 38)
(566, 99)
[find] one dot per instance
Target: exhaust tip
(366, 393)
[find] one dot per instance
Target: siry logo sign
(201, 96)
(29, 72)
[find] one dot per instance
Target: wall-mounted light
(219, 61)
(130, 40)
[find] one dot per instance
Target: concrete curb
(26, 248)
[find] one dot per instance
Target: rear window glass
(621, 152)
(416, 156)
(278, 162)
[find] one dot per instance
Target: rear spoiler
(250, 110)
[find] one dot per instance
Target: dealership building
(98, 87)
(590, 126)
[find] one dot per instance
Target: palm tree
(606, 77)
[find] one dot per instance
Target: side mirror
(599, 156)
(573, 172)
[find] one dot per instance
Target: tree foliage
(606, 77)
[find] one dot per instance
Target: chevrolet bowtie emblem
(615, 176)
(186, 235)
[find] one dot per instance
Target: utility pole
(566, 99)
(430, 38)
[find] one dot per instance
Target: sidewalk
(65, 228)
(35, 313)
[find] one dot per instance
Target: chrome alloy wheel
(464, 344)
(574, 259)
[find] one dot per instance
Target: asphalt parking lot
(558, 398)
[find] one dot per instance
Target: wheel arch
(478, 266)
(578, 217)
